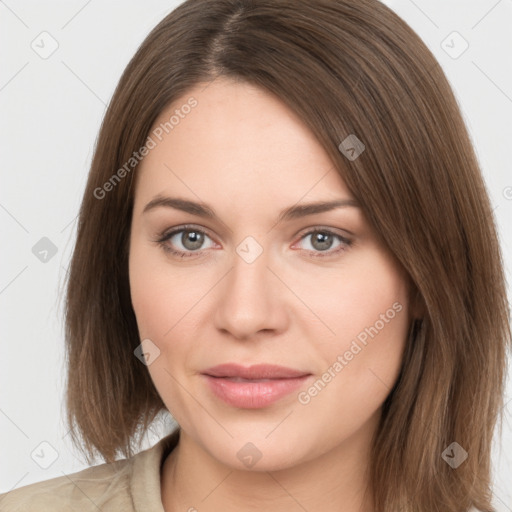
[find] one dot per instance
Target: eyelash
(167, 235)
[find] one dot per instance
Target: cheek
(376, 321)
(364, 295)
(162, 299)
(369, 361)
(164, 308)
(362, 360)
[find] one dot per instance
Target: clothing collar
(145, 483)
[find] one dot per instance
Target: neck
(193, 480)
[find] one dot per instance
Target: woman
(286, 242)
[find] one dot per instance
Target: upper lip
(257, 371)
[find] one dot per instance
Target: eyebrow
(290, 213)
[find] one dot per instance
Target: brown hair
(346, 67)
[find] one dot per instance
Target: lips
(253, 387)
(255, 372)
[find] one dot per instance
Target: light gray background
(50, 113)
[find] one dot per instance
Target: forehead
(239, 141)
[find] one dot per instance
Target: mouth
(254, 372)
(253, 387)
(241, 379)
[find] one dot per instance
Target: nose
(251, 299)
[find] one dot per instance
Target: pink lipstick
(255, 386)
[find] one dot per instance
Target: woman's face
(311, 291)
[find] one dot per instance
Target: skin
(244, 153)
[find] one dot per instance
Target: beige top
(128, 485)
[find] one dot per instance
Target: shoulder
(88, 489)
(129, 485)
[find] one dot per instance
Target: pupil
(321, 239)
(192, 240)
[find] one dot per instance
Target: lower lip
(253, 395)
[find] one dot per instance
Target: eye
(322, 240)
(190, 238)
